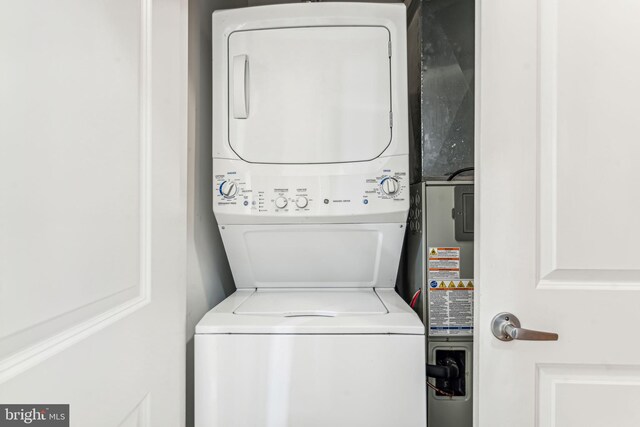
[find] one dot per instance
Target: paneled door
(558, 240)
(93, 208)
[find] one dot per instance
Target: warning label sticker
(444, 263)
(451, 307)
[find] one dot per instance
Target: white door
(93, 209)
(558, 207)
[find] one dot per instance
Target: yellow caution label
(441, 285)
(470, 285)
(452, 285)
(461, 285)
(433, 252)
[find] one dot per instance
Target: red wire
(414, 299)
(446, 393)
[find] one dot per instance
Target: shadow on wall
(208, 274)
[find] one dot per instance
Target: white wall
(209, 279)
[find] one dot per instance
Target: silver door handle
(506, 327)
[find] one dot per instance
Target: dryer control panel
(286, 194)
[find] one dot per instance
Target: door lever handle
(506, 327)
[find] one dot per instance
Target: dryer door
(309, 94)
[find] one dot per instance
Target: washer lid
(312, 302)
(312, 311)
(313, 256)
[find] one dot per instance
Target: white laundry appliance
(311, 194)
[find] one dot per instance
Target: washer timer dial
(389, 186)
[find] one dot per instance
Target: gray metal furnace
(440, 265)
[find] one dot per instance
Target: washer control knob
(302, 202)
(281, 202)
(228, 189)
(390, 186)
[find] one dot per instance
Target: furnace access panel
(440, 265)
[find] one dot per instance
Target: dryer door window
(309, 94)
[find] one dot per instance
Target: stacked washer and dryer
(311, 194)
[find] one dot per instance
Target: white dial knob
(302, 202)
(390, 186)
(281, 202)
(228, 189)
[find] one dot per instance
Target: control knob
(301, 202)
(390, 186)
(228, 189)
(281, 202)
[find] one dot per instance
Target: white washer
(311, 189)
(313, 357)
